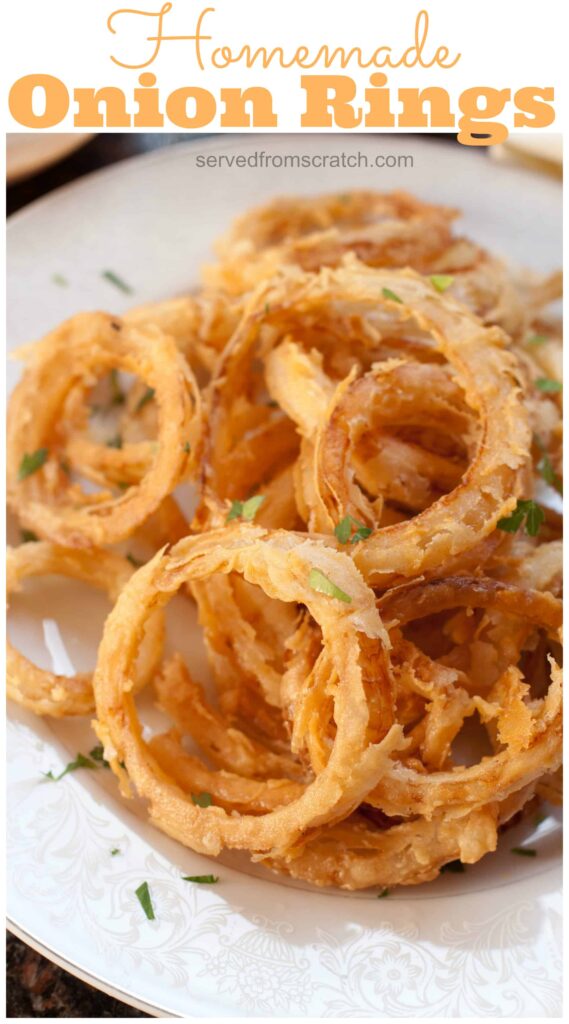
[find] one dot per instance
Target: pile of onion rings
(368, 410)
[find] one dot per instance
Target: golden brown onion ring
(74, 354)
(42, 691)
(280, 563)
(352, 855)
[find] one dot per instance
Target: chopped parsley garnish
(245, 509)
(115, 442)
(146, 397)
(109, 275)
(548, 385)
(202, 799)
(456, 867)
(538, 820)
(28, 536)
(115, 851)
(31, 462)
(201, 879)
(388, 294)
(65, 467)
(318, 581)
(143, 896)
(267, 308)
(523, 851)
(381, 895)
(187, 447)
(60, 280)
(117, 393)
(441, 281)
(80, 762)
(95, 760)
(537, 339)
(546, 470)
(343, 530)
(98, 755)
(528, 510)
(271, 404)
(134, 561)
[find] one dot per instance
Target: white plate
(30, 152)
(485, 943)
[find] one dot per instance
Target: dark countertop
(35, 987)
(100, 151)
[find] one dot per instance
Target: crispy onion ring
(280, 563)
(41, 691)
(353, 856)
(389, 230)
(360, 426)
(406, 791)
(488, 374)
(87, 345)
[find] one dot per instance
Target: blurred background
(39, 163)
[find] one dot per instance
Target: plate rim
(210, 143)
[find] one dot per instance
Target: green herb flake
(362, 533)
(343, 530)
(201, 879)
(235, 511)
(187, 447)
(123, 485)
(115, 851)
(441, 282)
(143, 896)
(534, 518)
(31, 462)
(537, 339)
(548, 385)
(146, 398)
(65, 467)
(245, 509)
(538, 820)
(267, 308)
(547, 472)
(115, 442)
(252, 506)
(98, 755)
(80, 762)
(112, 278)
(455, 867)
(134, 561)
(202, 799)
(381, 895)
(523, 851)
(529, 511)
(28, 536)
(318, 581)
(117, 393)
(60, 280)
(388, 294)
